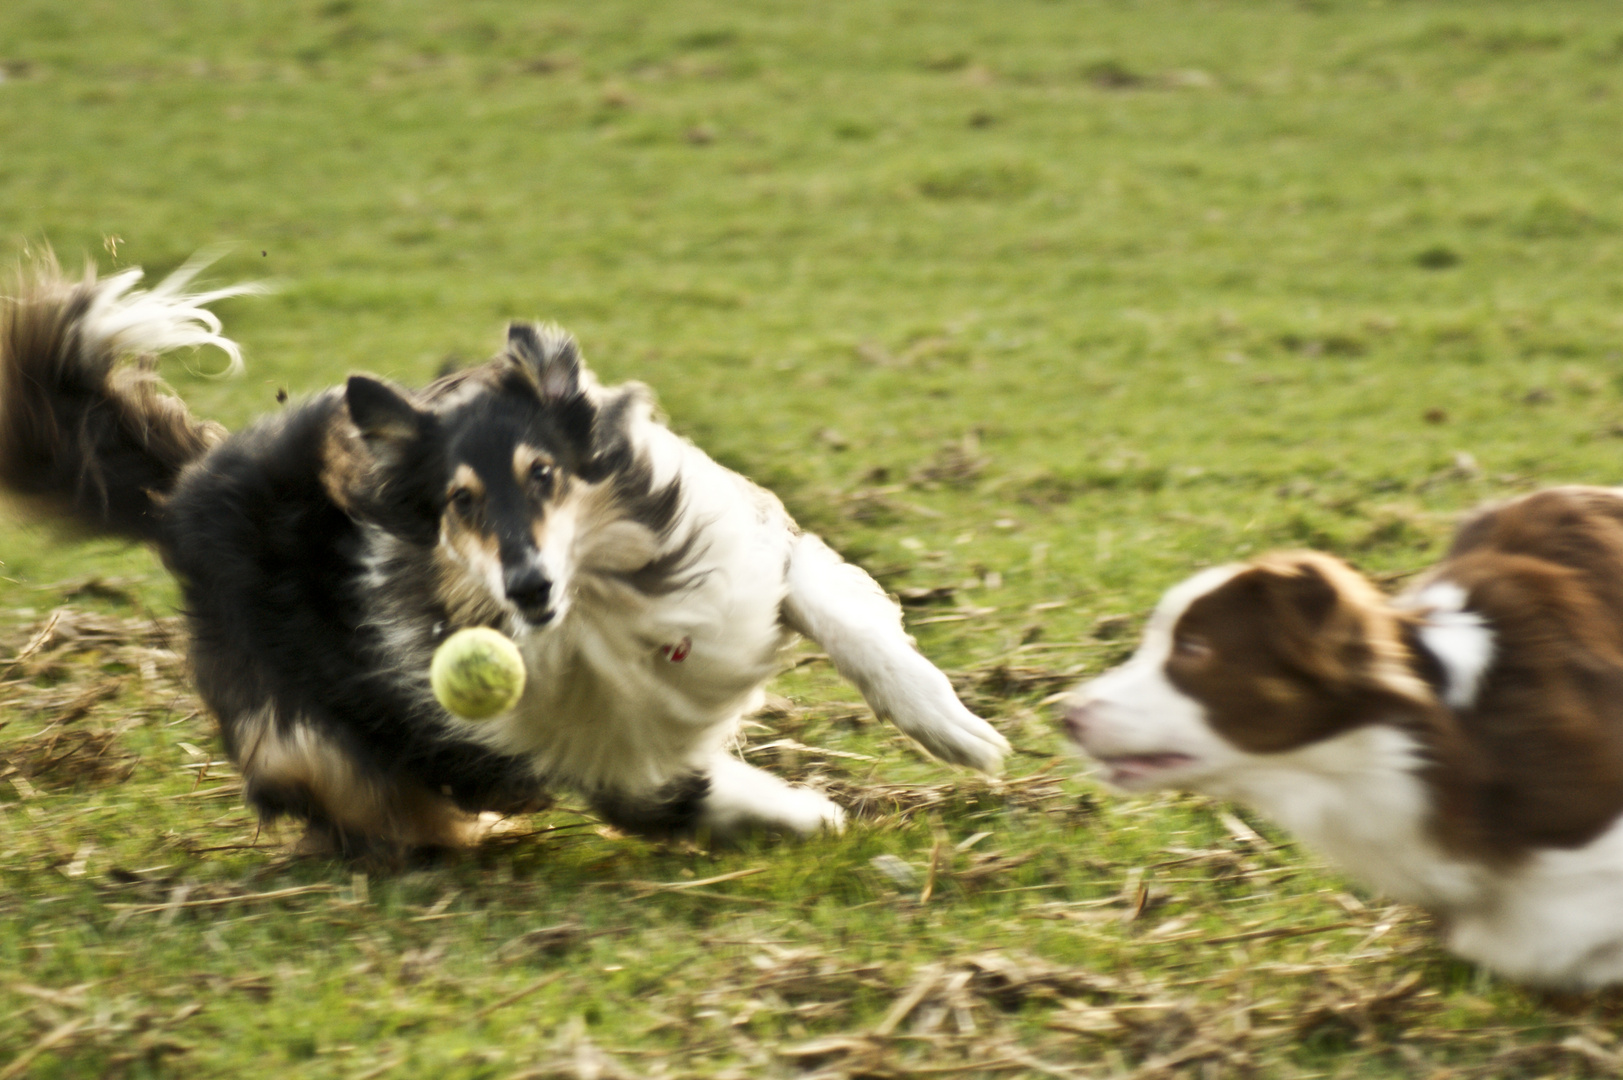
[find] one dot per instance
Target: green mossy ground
(1030, 307)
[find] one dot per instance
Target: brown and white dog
(1458, 747)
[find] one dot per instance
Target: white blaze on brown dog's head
(1241, 661)
(1459, 747)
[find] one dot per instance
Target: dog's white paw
(792, 810)
(744, 799)
(954, 734)
(813, 813)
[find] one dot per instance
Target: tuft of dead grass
(63, 758)
(1102, 967)
(74, 671)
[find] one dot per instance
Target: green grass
(1048, 302)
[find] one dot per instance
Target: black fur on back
(271, 570)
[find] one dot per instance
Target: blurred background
(1117, 247)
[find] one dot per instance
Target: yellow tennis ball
(477, 673)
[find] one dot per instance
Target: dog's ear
(608, 431)
(1301, 595)
(383, 415)
(1322, 608)
(552, 357)
(398, 436)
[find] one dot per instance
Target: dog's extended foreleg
(845, 611)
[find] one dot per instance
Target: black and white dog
(325, 551)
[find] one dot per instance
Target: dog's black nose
(529, 589)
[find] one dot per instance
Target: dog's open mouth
(536, 616)
(1129, 770)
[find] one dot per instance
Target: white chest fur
(608, 702)
(1356, 800)
(1553, 920)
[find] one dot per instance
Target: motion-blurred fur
(325, 551)
(1458, 746)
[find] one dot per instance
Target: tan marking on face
(469, 578)
(525, 458)
(465, 479)
(465, 596)
(467, 560)
(561, 497)
(555, 535)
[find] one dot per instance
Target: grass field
(1029, 307)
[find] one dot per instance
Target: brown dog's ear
(551, 355)
(383, 415)
(1301, 593)
(1320, 632)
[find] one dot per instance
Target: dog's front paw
(956, 735)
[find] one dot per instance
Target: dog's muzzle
(1078, 713)
(531, 592)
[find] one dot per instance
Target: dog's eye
(462, 501)
(1190, 647)
(541, 474)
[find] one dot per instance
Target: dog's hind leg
(725, 799)
(845, 611)
(742, 798)
(294, 770)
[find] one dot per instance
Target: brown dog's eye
(462, 501)
(540, 474)
(1189, 647)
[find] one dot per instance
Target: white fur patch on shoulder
(1458, 637)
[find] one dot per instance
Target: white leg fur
(848, 614)
(743, 797)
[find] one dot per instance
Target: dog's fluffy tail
(848, 614)
(87, 434)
